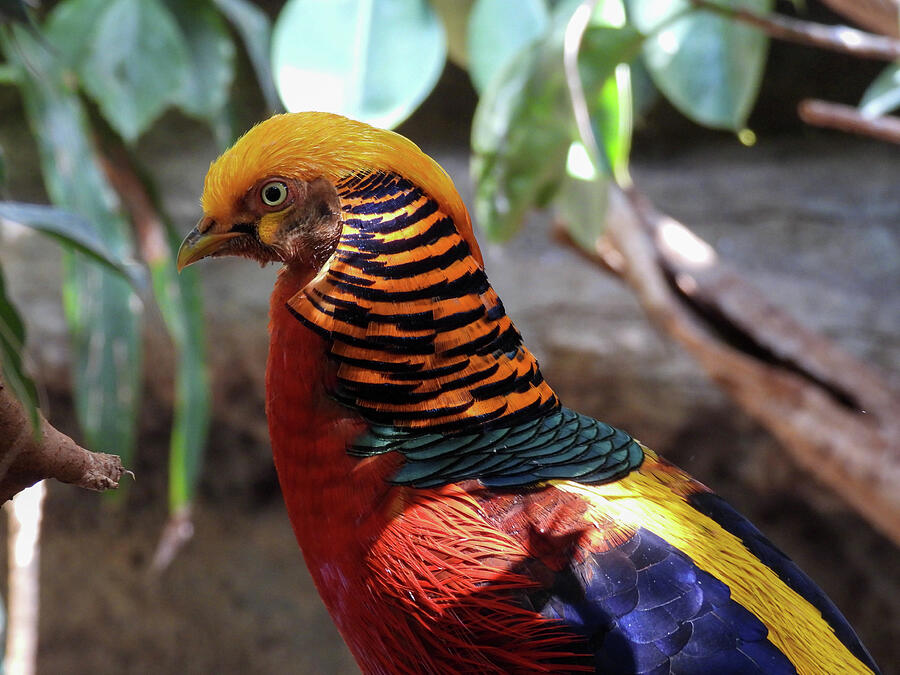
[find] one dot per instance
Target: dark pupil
(272, 193)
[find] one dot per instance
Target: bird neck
(419, 338)
(310, 433)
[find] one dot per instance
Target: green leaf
(606, 76)
(12, 342)
(519, 139)
(708, 65)
(583, 199)
(373, 60)
(70, 28)
(104, 327)
(101, 308)
(883, 95)
(455, 17)
(498, 30)
(521, 133)
(607, 48)
(72, 231)
(211, 54)
(524, 125)
(129, 55)
(255, 30)
(179, 300)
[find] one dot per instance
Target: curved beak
(199, 244)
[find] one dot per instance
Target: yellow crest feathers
(308, 145)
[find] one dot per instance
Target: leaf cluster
(133, 59)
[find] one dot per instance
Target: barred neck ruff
(420, 338)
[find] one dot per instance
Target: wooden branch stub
(26, 458)
(847, 118)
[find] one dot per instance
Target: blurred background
(112, 111)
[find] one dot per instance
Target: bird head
(273, 196)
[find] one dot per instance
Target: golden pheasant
(455, 516)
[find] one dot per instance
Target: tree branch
(847, 118)
(837, 418)
(835, 38)
(879, 16)
(840, 423)
(26, 458)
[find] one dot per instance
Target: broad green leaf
(524, 124)
(521, 133)
(372, 60)
(607, 48)
(255, 30)
(603, 62)
(708, 65)
(72, 231)
(583, 199)
(101, 308)
(179, 300)
(883, 95)
(12, 342)
(129, 55)
(498, 30)
(455, 17)
(211, 53)
(104, 325)
(70, 28)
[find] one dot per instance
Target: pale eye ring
(273, 193)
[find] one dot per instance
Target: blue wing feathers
(642, 606)
(719, 510)
(645, 607)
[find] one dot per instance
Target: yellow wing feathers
(653, 497)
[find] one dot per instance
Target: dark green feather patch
(563, 445)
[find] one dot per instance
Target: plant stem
(847, 118)
(835, 38)
(25, 514)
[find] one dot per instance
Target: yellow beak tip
(198, 245)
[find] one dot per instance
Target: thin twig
(835, 38)
(574, 34)
(879, 16)
(847, 118)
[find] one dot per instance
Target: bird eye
(273, 193)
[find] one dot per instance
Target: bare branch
(879, 16)
(836, 418)
(835, 38)
(26, 458)
(847, 118)
(839, 421)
